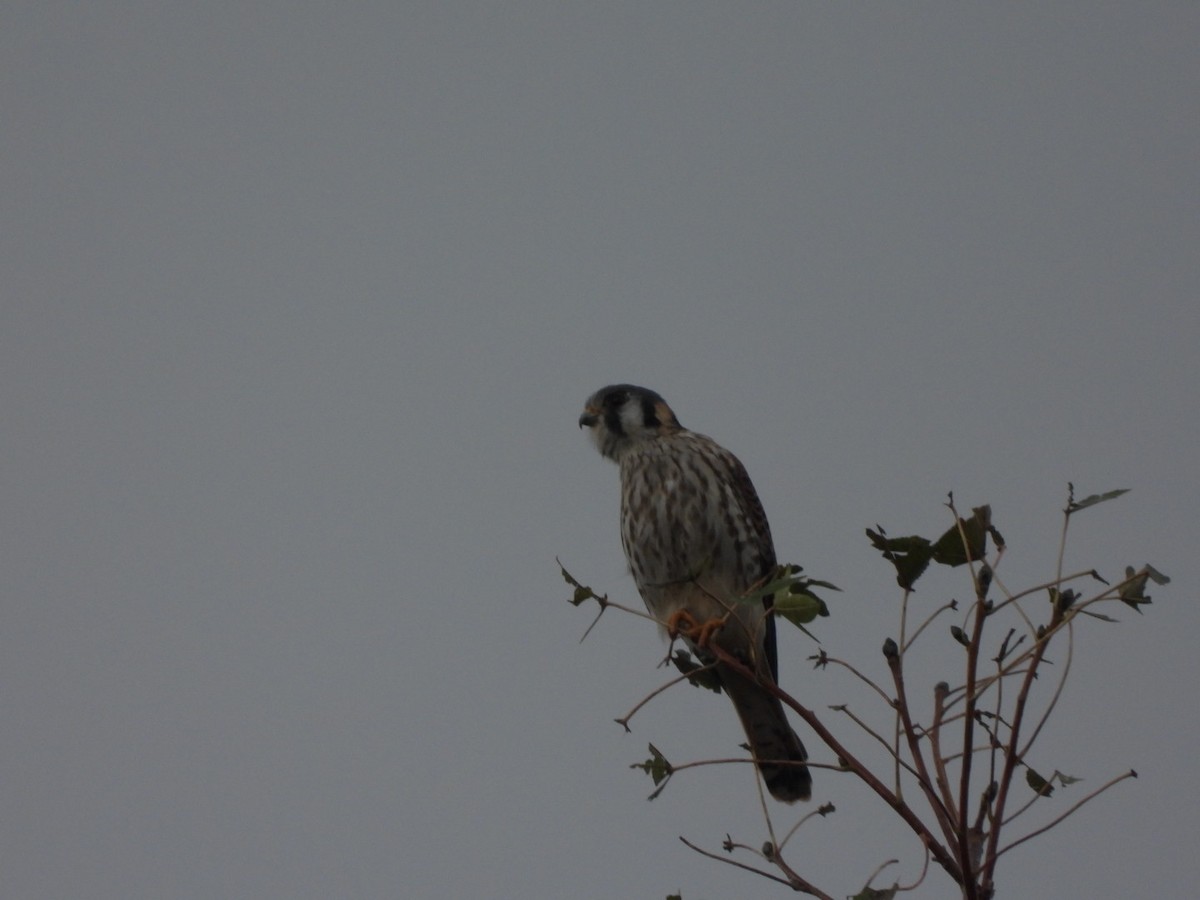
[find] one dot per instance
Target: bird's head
(621, 416)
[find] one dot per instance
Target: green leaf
(1074, 506)
(657, 767)
(959, 635)
(1063, 600)
(777, 581)
(582, 592)
(1133, 589)
(1040, 785)
(870, 893)
(800, 607)
(910, 555)
(787, 577)
(950, 550)
(1154, 575)
(791, 595)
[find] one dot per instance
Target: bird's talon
(682, 622)
(707, 630)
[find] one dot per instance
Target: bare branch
(845, 710)
(905, 645)
(624, 720)
(944, 816)
(826, 660)
(945, 860)
(795, 882)
(1096, 793)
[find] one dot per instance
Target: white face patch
(596, 434)
(633, 418)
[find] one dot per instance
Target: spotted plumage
(696, 537)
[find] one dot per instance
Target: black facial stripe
(649, 416)
(612, 420)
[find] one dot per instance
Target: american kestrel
(696, 538)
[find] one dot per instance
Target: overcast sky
(300, 307)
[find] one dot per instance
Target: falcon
(696, 538)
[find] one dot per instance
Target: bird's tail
(774, 745)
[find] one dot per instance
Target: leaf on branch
(778, 580)
(959, 635)
(1005, 648)
(1063, 600)
(1040, 785)
(950, 549)
(870, 893)
(1074, 506)
(582, 592)
(910, 555)
(1044, 787)
(792, 595)
(1153, 574)
(1133, 591)
(696, 673)
(800, 607)
(783, 579)
(657, 767)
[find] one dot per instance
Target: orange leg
(707, 630)
(682, 622)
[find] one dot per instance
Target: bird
(696, 538)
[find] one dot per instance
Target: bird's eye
(616, 399)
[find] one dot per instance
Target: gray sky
(300, 308)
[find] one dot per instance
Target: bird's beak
(590, 417)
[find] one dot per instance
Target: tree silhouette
(968, 760)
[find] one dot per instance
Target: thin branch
(845, 710)
(945, 860)
(1010, 757)
(798, 881)
(905, 645)
(624, 720)
(982, 686)
(935, 748)
(964, 785)
(920, 878)
(901, 704)
(863, 678)
(970, 698)
(822, 810)
(1045, 586)
(1130, 774)
(1062, 539)
(798, 885)
(944, 816)
(1034, 798)
(1058, 689)
(880, 868)
(1009, 598)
